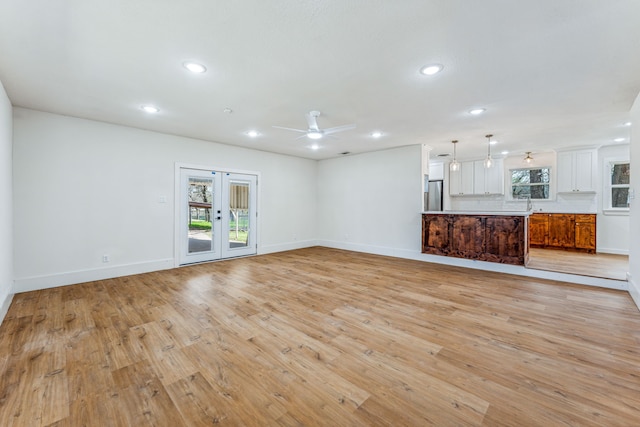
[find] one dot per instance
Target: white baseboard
(4, 306)
(634, 291)
(478, 265)
(613, 251)
(289, 246)
(26, 284)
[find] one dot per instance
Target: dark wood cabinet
(492, 238)
(586, 232)
(435, 232)
(563, 231)
(505, 239)
(539, 229)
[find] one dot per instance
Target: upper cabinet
(474, 179)
(577, 171)
(461, 182)
(436, 171)
(488, 181)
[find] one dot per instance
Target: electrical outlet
(105, 258)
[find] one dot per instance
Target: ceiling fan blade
(337, 129)
(295, 130)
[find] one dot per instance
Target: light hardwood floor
(321, 337)
(608, 266)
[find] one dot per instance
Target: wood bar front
(494, 238)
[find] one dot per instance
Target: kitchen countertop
(481, 213)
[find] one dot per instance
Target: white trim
(478, 265)
(616, 211)
(634, 291)
(26, 284)
(4, 307)
(614, 251)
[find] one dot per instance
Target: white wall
(84, 188)
(372, 202)
(613, 230)
(6, 204)
(634, 215)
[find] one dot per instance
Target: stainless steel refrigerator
(434, 195)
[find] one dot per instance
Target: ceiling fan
(314, 132)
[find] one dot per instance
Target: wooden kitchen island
(483, 236)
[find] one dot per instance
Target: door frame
(176, 202)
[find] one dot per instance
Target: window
(530, 183)
(617, 187)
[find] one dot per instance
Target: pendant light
(488, 162)
(528, 159)
(454, 166)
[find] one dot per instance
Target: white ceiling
(551, 73)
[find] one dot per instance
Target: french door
(217, 215)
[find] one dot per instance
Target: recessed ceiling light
(150, 109)
(253, 133)
(227, 110)
(477, 111)
(504, 153)
(194, 67)
(626, 124)
(315, 146)
(431, 69)
(618, 140)
(376, 134)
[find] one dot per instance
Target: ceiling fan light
(314, 134)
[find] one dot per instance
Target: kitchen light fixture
(528, 159)
(454, 166)
(477, 111)
(488, 162)
(150, 109)
(194, 67)
(431, 69)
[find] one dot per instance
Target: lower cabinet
(563, 231)
(493, 238)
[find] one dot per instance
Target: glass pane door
(200, 216)
(239, 216)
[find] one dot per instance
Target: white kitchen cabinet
(488, 181)
(577, 171)
(473, 179)
(436, 171)
(461, 182)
